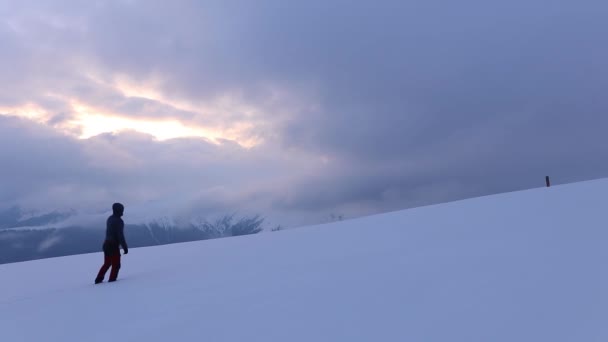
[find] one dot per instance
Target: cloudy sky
(297, 109)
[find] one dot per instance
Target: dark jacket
(115, 232)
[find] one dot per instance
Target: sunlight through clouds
(92, 122)
(89, 122)
(95, 124)
(29, 111)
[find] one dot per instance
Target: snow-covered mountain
(15, 217)
(57, 234)
(522, 266)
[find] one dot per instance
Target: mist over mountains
(30, 235)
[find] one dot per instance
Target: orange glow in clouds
(89, 121)
(92, 123)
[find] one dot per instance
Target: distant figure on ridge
(115, 238)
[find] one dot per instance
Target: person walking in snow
(115, 239)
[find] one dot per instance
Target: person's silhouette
(115, 238)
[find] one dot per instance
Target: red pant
(111, 253)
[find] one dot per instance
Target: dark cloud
(363, 107)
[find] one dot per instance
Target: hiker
(115, 238)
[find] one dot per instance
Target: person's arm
(121, 237)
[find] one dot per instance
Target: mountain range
(37, 235)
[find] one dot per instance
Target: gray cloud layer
(362, 107)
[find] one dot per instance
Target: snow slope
(523, 266)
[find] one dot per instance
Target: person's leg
(115, 267)
(104, 268)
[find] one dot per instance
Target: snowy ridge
(27, 215)
(15, 218)
(166, 224)
(523, 266)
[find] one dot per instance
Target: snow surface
(524, 266)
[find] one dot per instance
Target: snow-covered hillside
(524, 266)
